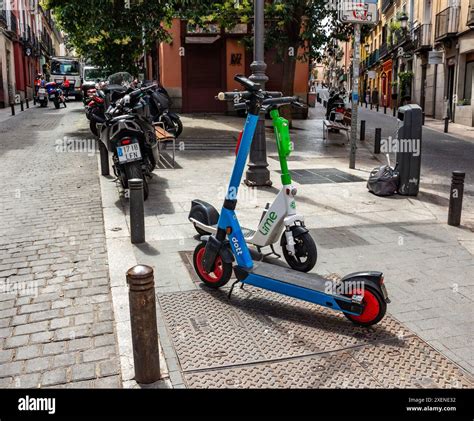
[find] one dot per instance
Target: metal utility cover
(323, 176)
(260, 339)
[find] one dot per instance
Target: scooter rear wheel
(374, 307)
(219, 276)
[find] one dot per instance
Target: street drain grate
(323, 176)
(206, 144)
(259, 339)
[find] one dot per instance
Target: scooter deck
(248, 233)
(311, 281)
(306, 286)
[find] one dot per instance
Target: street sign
(358, 11)
(435, 57)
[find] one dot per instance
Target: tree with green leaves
(113, 34)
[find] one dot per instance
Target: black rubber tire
(179, 126)
(226, 269)
(57, 104)
(134, 170)
(381, 313)
(305, 247)
(93, 127)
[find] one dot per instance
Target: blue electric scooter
(362, 296)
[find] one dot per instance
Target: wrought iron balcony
(386, 5)
(383, 51)
(447, 23)
(470, 14)
(3, 18)
(422, 37)
(12, 22)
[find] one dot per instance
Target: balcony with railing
(447, 23)
(470, 14)
(3, 18)
(12, 22)
(386, 5)
(422, 37)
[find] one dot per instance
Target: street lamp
(257, 173)
(404, 21)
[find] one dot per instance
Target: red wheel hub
(216, 274)
(371, 307)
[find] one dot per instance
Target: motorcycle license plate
(129, 153)
(41, 91)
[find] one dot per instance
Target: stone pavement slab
(56, 308)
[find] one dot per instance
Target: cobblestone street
(60, 331)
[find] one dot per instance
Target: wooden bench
(345, 125)
(163, 137)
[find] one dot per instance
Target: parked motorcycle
(42, 96)
(96, 108)
(55, 94)
(160, 104)
(128, 133)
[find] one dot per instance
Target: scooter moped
(279, 221)
(362, 296)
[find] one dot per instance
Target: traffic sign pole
(355, 95)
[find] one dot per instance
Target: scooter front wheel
(374, 307)
(220, 274)
(306, 252)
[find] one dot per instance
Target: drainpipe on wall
(434, 90)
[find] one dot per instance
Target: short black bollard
(22, 108)
(27, 103)
(362, 130)
(34, 100)
(446, 125)
(394, 111)
(455, 199)
(104, 159)
(423, 119)
(378, 107)
(378, 141)
(385, 109)
(137, 211)
(142, 299)
(371, 105)
(13, 108)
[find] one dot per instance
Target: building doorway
(204, 75)
(450, 90)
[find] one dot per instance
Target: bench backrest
(347, 117)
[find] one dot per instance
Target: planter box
(464, 115)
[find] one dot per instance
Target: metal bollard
(371, 105)
(142, 299)
(423, 119)
(385, 109)
(446, 125)
(27, 103)
(394, 110)
(22, 108)
(455, 199)
(137, 211)
(362, 130)
(378, 107)
(13, 108)
(104, 159)
(378, 141)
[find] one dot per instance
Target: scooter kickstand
(274, 252)
(232, 289)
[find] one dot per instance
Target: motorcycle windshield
(121, 78)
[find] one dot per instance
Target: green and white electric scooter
(280, 221)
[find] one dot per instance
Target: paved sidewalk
(56, 318)
(428, 268)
